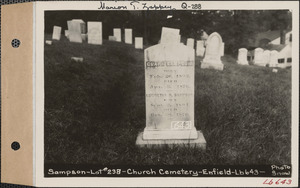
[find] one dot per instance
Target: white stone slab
(242, 56)
(95, 33)
(138, 42)
(77, 59)
(82, 25)
(56, 33)
(169, 82)
(128, 36)
(169, 35)
(200, 49)
(273, 59)
(74, 29)
(212, 58)
(274, 70)
(117, 34)
(222, 49)
(49, 42)
(112, 38)
(67, 33)
(258, 57)
(190, 42)
(266, 57)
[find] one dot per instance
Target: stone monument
(56, 33)
(242, 57)
(138, 42)
(212, 58)
(128, 36)
(200, 49)
(95, 33)
(273, 59)
(190, 42)
(169, 83)
(258, 57)
(117, 34)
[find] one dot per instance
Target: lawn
(95, 109)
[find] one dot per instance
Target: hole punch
(15, 146)
(15, 43)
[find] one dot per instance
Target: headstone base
(197, 143)
(167, 134)
(217, 66)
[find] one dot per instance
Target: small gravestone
(200, 49)
(67, 33)
(190, 42)
(222, 49)
(212, 58)
(170, 83)
(49, 42)
(258, 57)
(82, 25)
(266, 57)
(274, 70)
(138, 42)
(117, 34)
(128, 36)
(112, 38)
(273, 59)
(169, 35)
(56, 33)
(242, 56)
(74, 29)
(77, 59)
(95, 33)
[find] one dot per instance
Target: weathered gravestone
(56, 33)
(49, 42)
(212, 58)
(138, 42)
(273, 59)
(200, 49)
(169, 35)
(266, 57)
(117, 34)
(112, 38)
(128, 36)
(169, 82)
(95, 33)
(190, 42)
(242, 56)
(82, 25)
(74, 29)
(67, 33)
(258, 57)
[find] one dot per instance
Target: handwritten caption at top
(136, 5)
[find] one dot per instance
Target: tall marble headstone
(273, 59)
(82, 25)
(169, 35)
(169, 82)
(190, 42)
(128, 36)
(138, 42)
(117, 34)
(242, 56)
(266, 57)
(212, 58)
(56, 33)
(74, 29)
(95, 33)
(67, 33)
(258, 57)
(200, 49)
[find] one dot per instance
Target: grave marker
(95, 33)
(222, 49)
(169, 82)
(200, 48)
(74, 29)
(138, 42)
(242, 56)
(190, 42)
(258, 57)
(266, 57)
(56, 33)
(212, 58)
(169, 35)
(67, 33)
(117, 34)
(112, 38)
(128, 36)
(273, 59)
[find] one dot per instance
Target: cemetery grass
(95, 109)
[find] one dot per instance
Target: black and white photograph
(160, 92)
